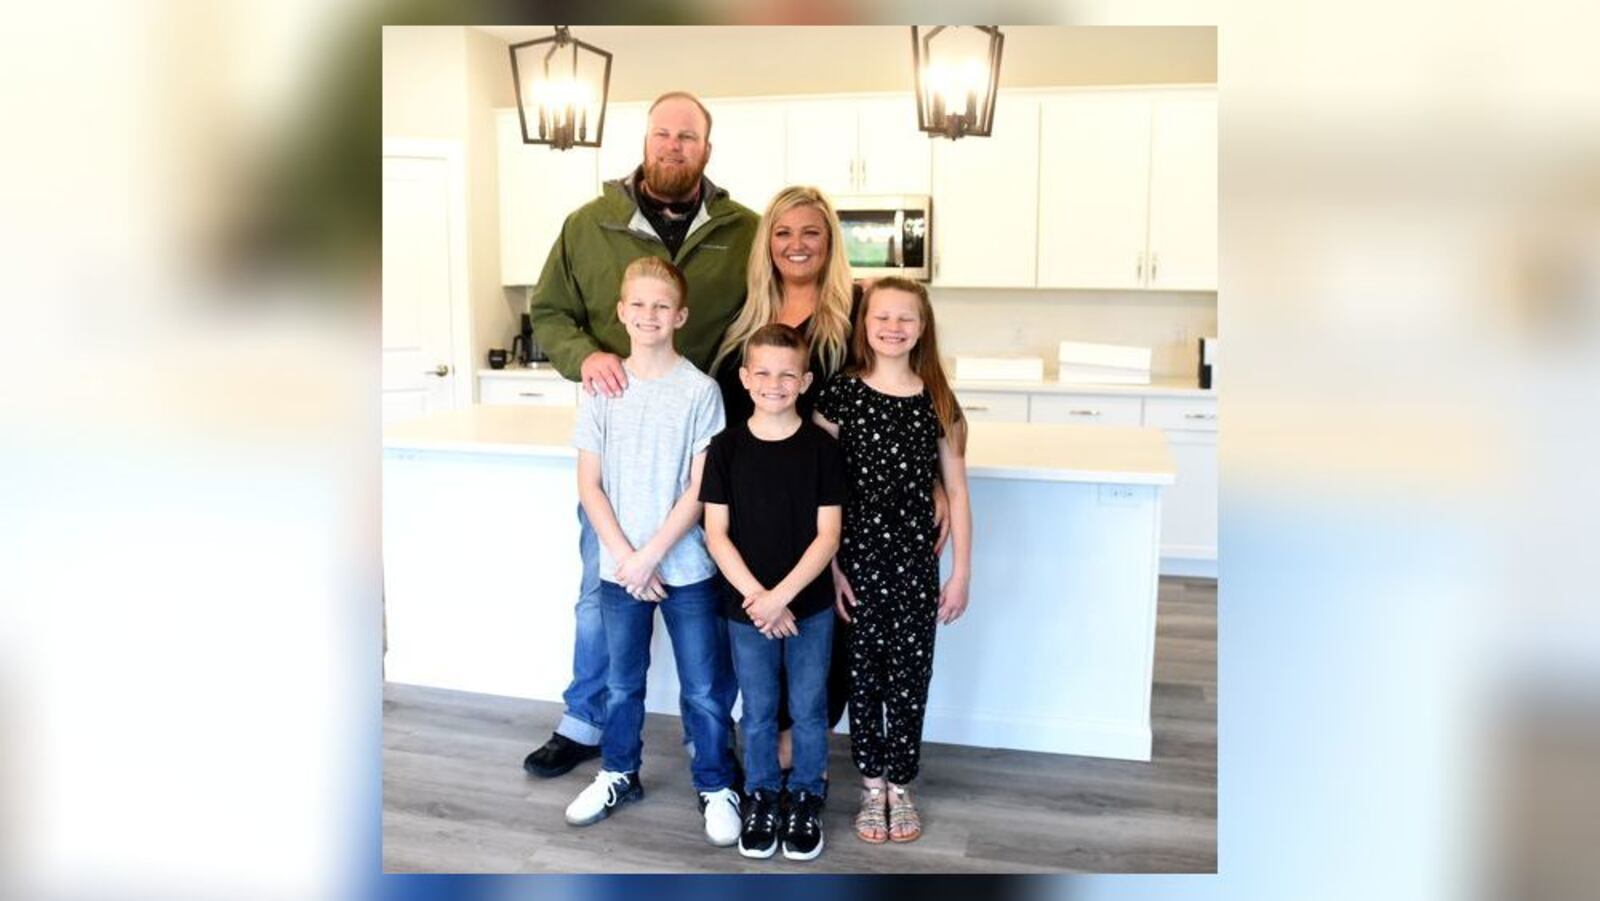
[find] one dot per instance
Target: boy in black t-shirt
(773, 488)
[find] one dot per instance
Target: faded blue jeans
(802, 662)
(700, 649)
(585, 718)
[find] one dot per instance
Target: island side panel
(1055, 652)
(481, 573)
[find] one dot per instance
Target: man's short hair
(776, 334)
(684, 95)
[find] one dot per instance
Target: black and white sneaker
(759, 835)
(802, 828)
(606, 793)
(558, 756)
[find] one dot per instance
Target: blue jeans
(700, 648)
(803, 660)
(585, 697)
(585, 718)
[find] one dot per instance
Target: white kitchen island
(1055, 652)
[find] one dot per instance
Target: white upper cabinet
(1128, 190)
(622, 149)
(539, 187)
(985, 202)
(867, 146)
(1183, 194)
(892, 155)
(1093, 190)
(747, 150)
(822, 145)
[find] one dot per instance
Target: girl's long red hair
(925, 360)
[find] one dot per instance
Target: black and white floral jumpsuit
(891, 457)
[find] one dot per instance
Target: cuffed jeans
(801, 663)
(705, 672)
(585, 718)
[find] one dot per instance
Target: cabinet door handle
(1155, 260)
(1199, 416)
(1083, 412)
(1138, 269)
(863, 185)
(441, 371)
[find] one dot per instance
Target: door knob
(441, 371)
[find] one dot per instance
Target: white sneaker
(721, 808)
(606, 793)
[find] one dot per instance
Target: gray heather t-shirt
(647, 439)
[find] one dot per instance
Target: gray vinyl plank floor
(455, 798)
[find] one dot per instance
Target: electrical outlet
(1118, 495)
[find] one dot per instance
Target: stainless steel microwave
(887, 235)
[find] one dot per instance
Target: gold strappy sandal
(872, 824)
(904, 823)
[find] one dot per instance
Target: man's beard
(671, 182)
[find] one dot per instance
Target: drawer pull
(530, 394)
(1083, 412)
(1199, 416)
(976, 408)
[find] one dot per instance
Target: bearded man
(665, 208)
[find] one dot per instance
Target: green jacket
(574, 305)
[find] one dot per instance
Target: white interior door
(1183, 194)
(420, 269)
(748, 150)
(1094, 190)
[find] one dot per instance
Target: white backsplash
(998, 322)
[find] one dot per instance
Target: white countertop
(1158, 387)
(538, 371)
(996, 450)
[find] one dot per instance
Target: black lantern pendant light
(956, 79)
(561, 90)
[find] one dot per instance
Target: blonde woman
(798, 276)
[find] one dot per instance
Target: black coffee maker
(523, 348)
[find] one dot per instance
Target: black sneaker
(758, 837)
(802, 829)
(558, 756)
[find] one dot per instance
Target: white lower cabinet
(1085, 409)
(1189, 505)
(993, 406)
(525, 388)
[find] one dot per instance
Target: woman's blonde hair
(829, 332)
(925, 360)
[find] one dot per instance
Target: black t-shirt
(772, 490)
(736, 403)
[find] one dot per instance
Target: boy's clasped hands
(636, 573)
(769, 612)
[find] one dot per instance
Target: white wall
(994, 322)
(444, 82)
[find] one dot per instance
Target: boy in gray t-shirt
(640, 456)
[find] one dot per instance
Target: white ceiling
(736, 61)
